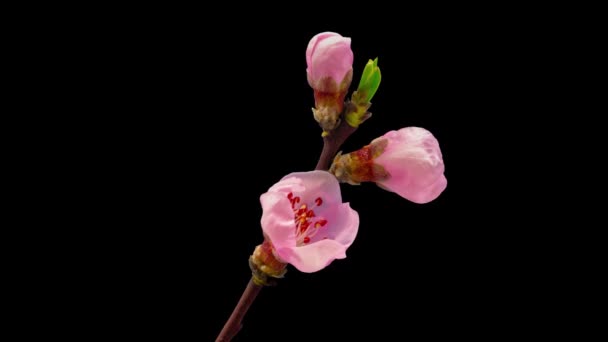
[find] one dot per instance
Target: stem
(332, 143)
(233, 325)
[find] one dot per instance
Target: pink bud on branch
(330, 71)
(407, 162)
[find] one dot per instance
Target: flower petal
(415, 164)
(313, 44)
(316, 184)
(288, 184)
(342, 224)
(277, 219)
(428, 193)
(333, 58)
(313, 257)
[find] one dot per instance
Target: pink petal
(415, 164)
(313, 257)
(428, 193)
(333, 58)
(342, 224)
(277, 219)
(313, 44)
(288, 184)
(317, 184)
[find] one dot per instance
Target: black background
(213, 116)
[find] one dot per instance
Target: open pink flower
(306, 222)
(407, 162)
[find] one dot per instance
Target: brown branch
(332, 144)
(233, 325)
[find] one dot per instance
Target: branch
(233, 325)
(332, 144)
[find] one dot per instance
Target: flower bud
(407, 162)
(329, 59)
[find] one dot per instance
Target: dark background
(207, 118)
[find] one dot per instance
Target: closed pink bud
(413, 159)
(330, 70)
(328, 56)
(407, 162)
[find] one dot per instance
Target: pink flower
(407, 162)
(328, 56)
(330, 71)
(306, 222)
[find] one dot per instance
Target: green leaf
(370, 80)
(369, 67)
(374, 84)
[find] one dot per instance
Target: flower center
(307, 222)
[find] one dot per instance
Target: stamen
(305, 229)
(320, 223)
